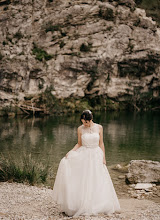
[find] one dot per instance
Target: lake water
(127, 136)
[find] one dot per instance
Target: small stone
(143, 185)
(118, 166)
(121, 177)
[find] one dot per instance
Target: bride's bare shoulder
(80, 128)
(99, 126)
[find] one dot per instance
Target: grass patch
(25, 170)
(41, 54)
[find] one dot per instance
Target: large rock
(78, 49)
(143, 171)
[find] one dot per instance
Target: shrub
(7, 2)
(52, 28)
(62, 44)
(5, 8)
(63, 33)
(1, 56)
(85, 47)
(107, 14)
(41, 54)
(18, 35)
(4, 43)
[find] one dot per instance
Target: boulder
(143, 171)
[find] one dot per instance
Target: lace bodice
(90, 136)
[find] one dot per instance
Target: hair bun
(86, 115)
(89, 111)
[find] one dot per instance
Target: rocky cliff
(78, 54)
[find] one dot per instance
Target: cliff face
(79, 49)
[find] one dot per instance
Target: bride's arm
(101, 144)
(79, 144)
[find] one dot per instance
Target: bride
(83, 185)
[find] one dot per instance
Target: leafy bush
(107, 14)
(85, 47)
(1, 56)
(4, 43)
(61, 44)
(52, 28)
(41, 54)
(18, 35)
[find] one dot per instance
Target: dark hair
(86, 115)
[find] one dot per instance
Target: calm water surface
(127, 136)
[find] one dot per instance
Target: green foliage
(7, 2)
(110, 28)
(73, 105)
(152, 8)
(41, 84)
(18, 35)
(7, 109)
(9, 39)
(106, 13)
(5, 8)
(47, 99)
(85, 47)
(1, 56)
(75, 54)
(21, 53)
(82, 104)
(4, 43)
(63, 33)
(52, 28)
(26, 170)
(154, 4)
(130, 46)
(41, 54)
(138, 1)
(93, 72)
(62, 44)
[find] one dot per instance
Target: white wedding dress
(83, 185)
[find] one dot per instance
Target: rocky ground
(21, 201)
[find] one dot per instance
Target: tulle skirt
(83, 185)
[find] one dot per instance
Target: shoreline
(22, 201)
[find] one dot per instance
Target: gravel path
(21, 202)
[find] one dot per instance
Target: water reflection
(126, 136)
